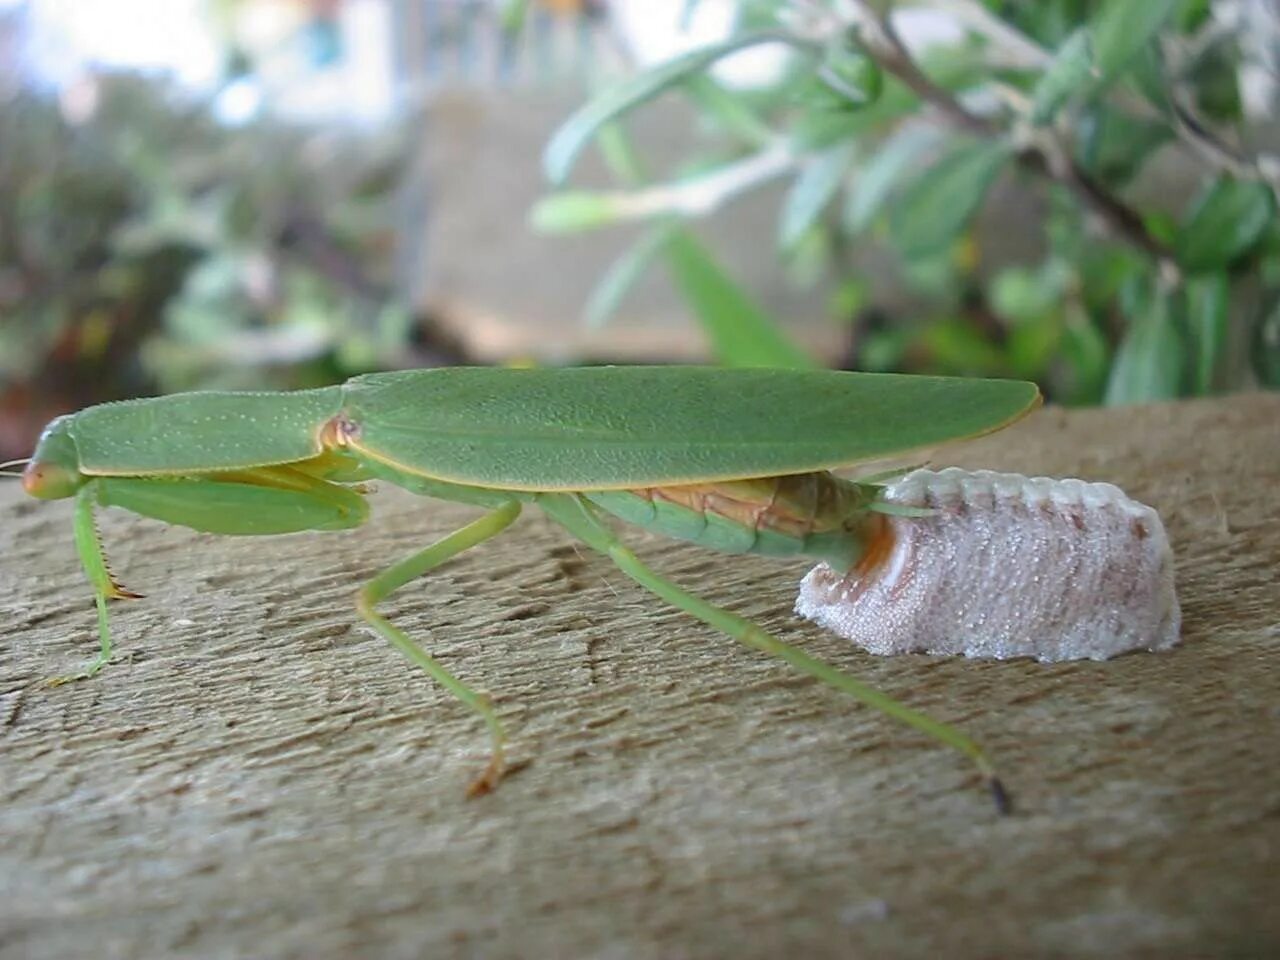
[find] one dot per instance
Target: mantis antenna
(6, 472)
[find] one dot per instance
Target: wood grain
(255, 775)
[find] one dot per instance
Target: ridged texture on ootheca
(1009, 566)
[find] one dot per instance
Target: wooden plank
(255, 775)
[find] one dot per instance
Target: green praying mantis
(737, 460)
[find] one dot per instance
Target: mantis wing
(600, 428)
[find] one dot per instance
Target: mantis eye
(50, 481)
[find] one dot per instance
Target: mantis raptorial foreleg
(580, 518)
(94, 561)
(412, 567)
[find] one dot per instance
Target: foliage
(144, 248)
(1131, 294)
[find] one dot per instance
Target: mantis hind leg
(578, 516)
(414, 566)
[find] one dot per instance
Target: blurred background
(285, 193)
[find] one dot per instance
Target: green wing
(599, 428)
(202, 432)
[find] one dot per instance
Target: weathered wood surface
(257, 776)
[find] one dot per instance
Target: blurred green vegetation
(147, 249)
(144, 248)
(1134, 294)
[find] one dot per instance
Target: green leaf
(618, 154)
(1085, 350)
(740, 332)
(1226, 220)
(618, 98)
(940, 202)
(817, 129)
(1192, 14)
(1207, 322)
(1031, 346)
(1215, 79)
(574, 210)
(1024, 295)
(1149, 76)
(854, 76)
(955, 66)
(813, 189)
(1122, 28)
(1266, 347)
(957, 347)
(1105, 269)
(1068, 74)
(876, 179)
(695, 196)
(621, 276)
(1148, 365)
(1162, 226)
(729, 110)
(1113, 146)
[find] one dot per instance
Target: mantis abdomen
(811, 514)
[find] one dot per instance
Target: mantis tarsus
(735, 460)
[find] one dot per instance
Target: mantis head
(53, 471)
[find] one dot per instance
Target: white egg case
(1007, 566)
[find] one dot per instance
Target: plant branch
(1020, 51)
(1047, 158)
(885, 46)
(1194, 132)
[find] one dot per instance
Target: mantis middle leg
(412, 567)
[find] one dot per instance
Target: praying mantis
(736, 460)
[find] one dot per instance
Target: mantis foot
(488, 781)
(90, 669)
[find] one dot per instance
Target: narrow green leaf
(817, 129)
(729, 110)
(622, 275)
(876, 179)
(1067, 75)
(854, 76)
(1149, 76)
(1266, 347)
(1226, 220)
(1207, 322)
(618, 154)
(740, 332)
(1113, 146)
(618, 98)
(813, 189)
(940, 202)
(1122, 28)
(695, 196)
(574, 210)
(1149, 363)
